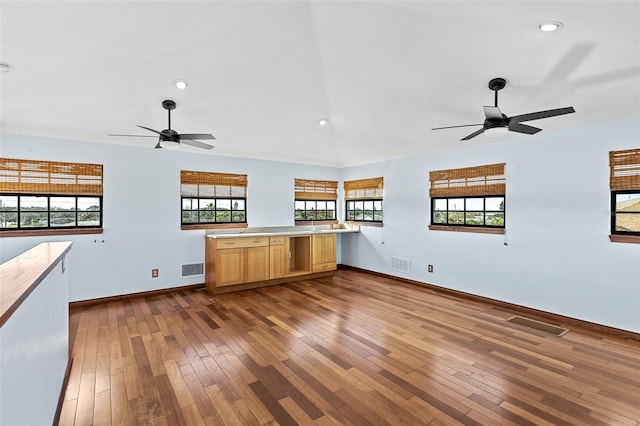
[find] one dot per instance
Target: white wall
(142, 211)
(558, 258)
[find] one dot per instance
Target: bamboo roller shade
(625, 169)
(469, 181)
(49, 177)
(208, 184)
(364, 189)
(307, 189)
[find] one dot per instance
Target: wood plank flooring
(352, 349)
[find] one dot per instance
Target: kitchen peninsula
(246, 258)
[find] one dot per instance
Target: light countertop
(282, 230)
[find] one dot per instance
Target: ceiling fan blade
(454, 127)
(523, 128)
(472, 135)
(492, 112)
(158, 146)
(569, 63)
(196, 144)
(541, 114)
(195, 136)
(151, 130)
(133, 136)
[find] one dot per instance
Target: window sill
(478, 230)
(617, 238)
(214, 226)
(374, 224)
(49, 232)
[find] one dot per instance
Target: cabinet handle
(229, 243)
(257, 241)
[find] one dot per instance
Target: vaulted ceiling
(261, 74)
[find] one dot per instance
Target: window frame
(315, 190)
(615, 213)
(51, 179)
(485, 181)
(48, 212)
(198, 185)
(624, 178)
(215, 210)
(373, 221)
(464, 211)
(364, 190)
(316, 221)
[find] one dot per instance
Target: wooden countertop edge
(22, 274)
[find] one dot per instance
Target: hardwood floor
(352, 349)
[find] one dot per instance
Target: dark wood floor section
(354, 349)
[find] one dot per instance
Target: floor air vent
(402, 265)
(192, 269)
(537, 325)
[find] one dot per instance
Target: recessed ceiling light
(549, 26)
(4, 68)
(323, 122)
(181, 84)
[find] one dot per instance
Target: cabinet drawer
(321, 267)
(276, 241)
(224, 243)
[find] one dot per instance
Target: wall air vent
(402, 265)
(192, 269)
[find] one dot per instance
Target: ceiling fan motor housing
(169, 135)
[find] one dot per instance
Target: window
(625, 195)
(37, 196)
(363, 200)
(315, 200)
(469, 199)
(211, 200)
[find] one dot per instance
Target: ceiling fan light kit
(169, 138)
(496, 123)
(495, 132)
(168, 144)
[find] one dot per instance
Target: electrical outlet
(430, 268)
(154, 273)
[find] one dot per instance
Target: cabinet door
(278, 261)
(324, 248)
(329, 248)
(256, 264)
(230, 266)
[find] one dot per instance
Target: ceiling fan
(170, 139)
(496, 122)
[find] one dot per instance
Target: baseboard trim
(63, 391)
(536, 314)
(91, 302)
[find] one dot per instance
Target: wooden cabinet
(242, 260)
(278, 257)
(290, 256)
(256, 264)
(231, 261)
(230, 266)
(324, 252)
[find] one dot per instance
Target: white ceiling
(263, 73)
